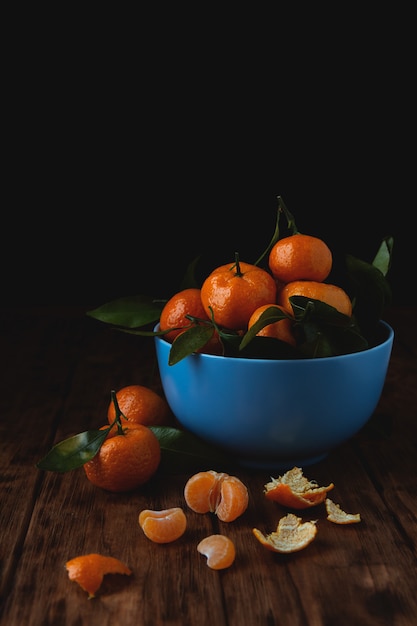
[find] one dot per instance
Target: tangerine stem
(237, 264)
(118, 413)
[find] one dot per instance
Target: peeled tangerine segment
(292, 535)
(163, 526)
(295, 491)
(338, 516)
(88, 570)
(219, 550)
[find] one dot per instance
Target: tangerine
(234, 291)
(127, 459)
(174, 316)
(216, 492)
(300, 257)
(163, 526)
(328, 293)
(140, 405)
(282, 329)
(219, 550)
(88, 570)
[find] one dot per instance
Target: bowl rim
(389, 338)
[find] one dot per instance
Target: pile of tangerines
(234, 296)
(284, 305)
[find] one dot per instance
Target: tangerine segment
(219, 550)
(291, 535)
(88, 570)
(163, 526)
(295, 491)
(216, 492)
(234, 499)
(300, 257)
(338, 516)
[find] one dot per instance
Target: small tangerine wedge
(291, 535)
(89, 570)
(219, 550)
(336, 515)
(295, 491)
(216, 492)
(163, 526)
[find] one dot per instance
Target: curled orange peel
(89, 570)
(295, 491)
(291, 535)
(336, 515)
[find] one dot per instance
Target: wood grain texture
(58, 368)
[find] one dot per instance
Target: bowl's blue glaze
(276, 414)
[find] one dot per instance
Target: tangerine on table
(300, 257)
(88, 570)
(163, 526)
(328, 293)
(173, 315)
(282, 329)
(125, 461)
(216, 492)
(234, 291)
(219, 550)
(140, 405)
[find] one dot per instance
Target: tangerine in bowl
(276, 413)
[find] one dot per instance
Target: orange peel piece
(291, 535)
(336, 514)
(295, 491)
(89, 570)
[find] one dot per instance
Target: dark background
(122, 165)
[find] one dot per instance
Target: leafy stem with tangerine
(326, 331)
(180, 450)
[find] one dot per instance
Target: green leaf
(129, 312)
(74, 451)
(182, 451)
(383, 257)
(190, 341)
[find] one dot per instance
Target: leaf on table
(182, 450)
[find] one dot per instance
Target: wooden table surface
(58, 367)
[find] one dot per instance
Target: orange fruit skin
(216, 492)
(284, 495)
(330, 294)
(173, 315)
(140, 405)
(283, 329)
(219, 550)
(88, 570)
(163, 526)
(300, 257)
(125, 462)
(234, 297)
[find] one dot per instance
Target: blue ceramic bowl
(274, 414)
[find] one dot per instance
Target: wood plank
(56, 381)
